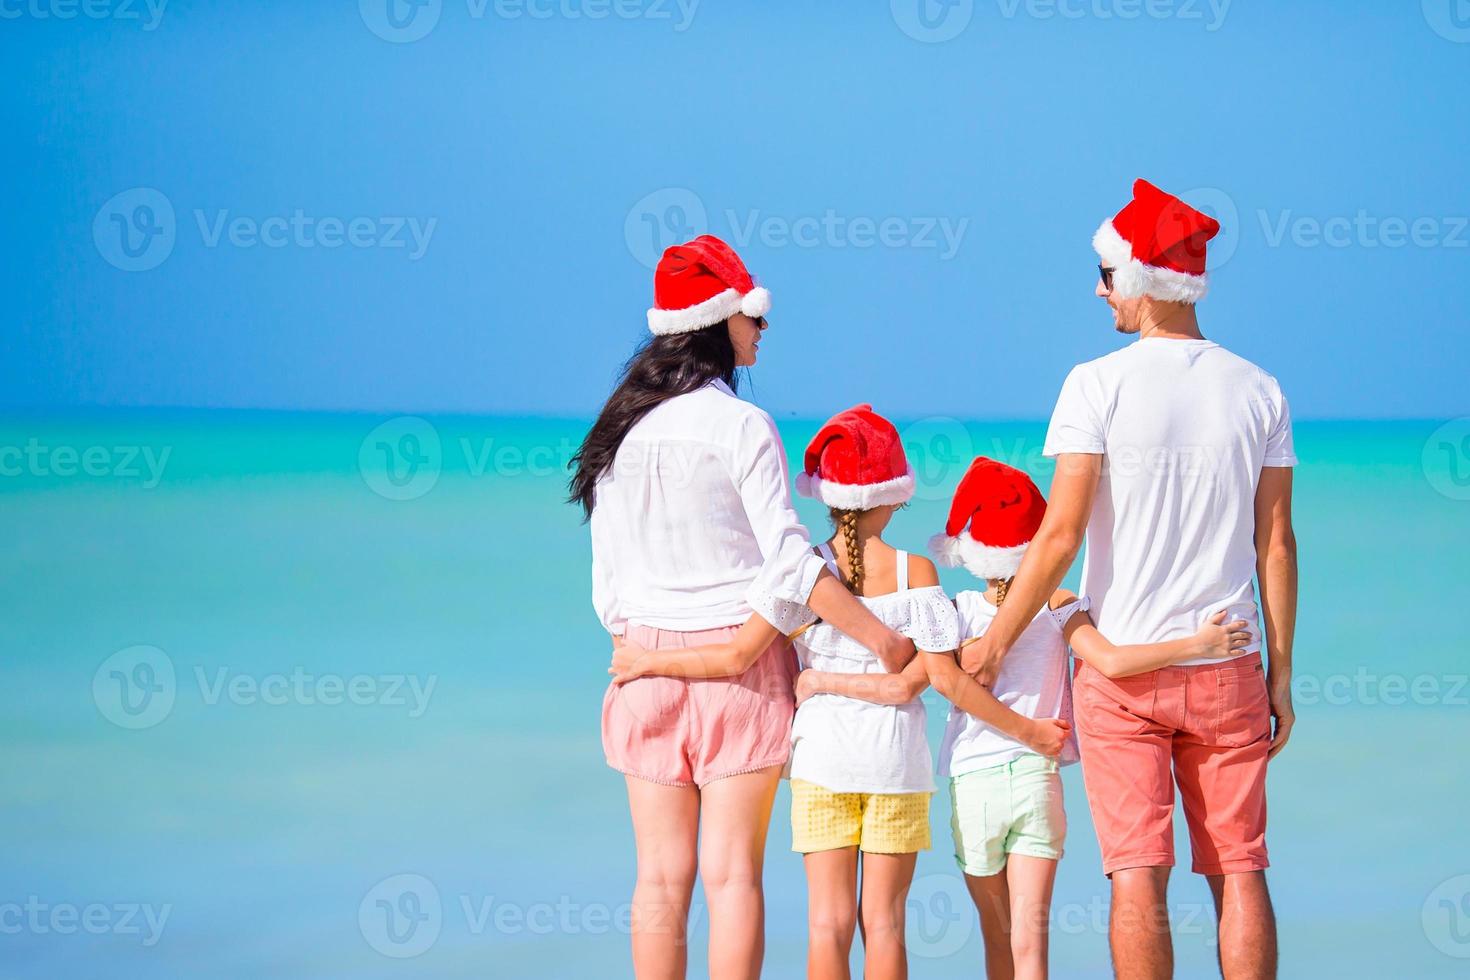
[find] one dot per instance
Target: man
(1174, 460)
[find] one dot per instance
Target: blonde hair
(846, 522)
(1002, 586)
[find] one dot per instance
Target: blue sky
(366, 221)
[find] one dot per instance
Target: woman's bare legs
(735, 813)
(832, 901)
(665, 830)
(1030, 881)
(992, 899)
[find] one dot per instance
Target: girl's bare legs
(886, 880)
(992, 899)
(832, 902)
(1030, 881)
(665, 829)
(735, 813)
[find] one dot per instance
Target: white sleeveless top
(1034, 680)
(852, 746)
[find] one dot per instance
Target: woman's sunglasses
(1106, 271)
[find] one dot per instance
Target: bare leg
(1030, 880)
(1138, 926)
(886, 880)
(735, 814)
(992, 898)
(1247, 926)
(665, 830)
(832, 899)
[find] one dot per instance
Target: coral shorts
(691, 732)
(1207, 727)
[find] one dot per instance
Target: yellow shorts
(878, 823)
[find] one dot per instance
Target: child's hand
(1047, 736)
(625, 662)
(1218, 640)
(805, 686)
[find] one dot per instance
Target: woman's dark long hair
(666, 366)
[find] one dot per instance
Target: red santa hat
(1156, 247)
(856, 462)
(700, 283)
(1003, 509)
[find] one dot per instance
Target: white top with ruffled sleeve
(851, 746)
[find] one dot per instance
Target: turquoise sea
(318, 696)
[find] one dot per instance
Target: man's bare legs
(1247, 926)
(1138, 925)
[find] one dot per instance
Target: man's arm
(1277, 572)
(1047, 559)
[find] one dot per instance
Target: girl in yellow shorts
(860, 769)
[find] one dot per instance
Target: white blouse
(693, 526)
(848, 745)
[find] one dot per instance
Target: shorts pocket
(1104, 706)
(1242, 708)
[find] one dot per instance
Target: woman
(693, 536)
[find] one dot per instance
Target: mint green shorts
(1012, 808)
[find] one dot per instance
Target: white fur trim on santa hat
(720, 306)
(1132, 278)
(856, 496)
(983, 561)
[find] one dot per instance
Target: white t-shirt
(1034, 681)
(848, 745)
(1184, 428)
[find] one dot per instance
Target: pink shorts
(691, 732)
(1210, 725)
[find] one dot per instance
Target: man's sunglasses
(1106, 271)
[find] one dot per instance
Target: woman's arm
(1046, 736)
(631, 661)
(1215, 640)
(900, 688)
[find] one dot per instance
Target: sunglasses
(1106, 271)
